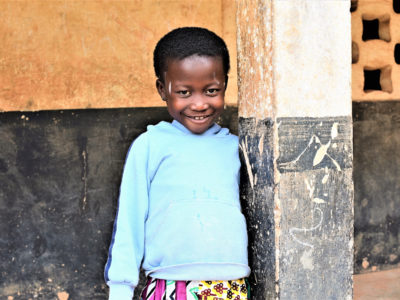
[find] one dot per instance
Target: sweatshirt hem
(201, 271)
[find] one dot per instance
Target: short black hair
(187, 41)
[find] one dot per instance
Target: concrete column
(295, 133)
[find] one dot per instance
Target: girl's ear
(161, 89)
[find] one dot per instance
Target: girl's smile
(194, 89)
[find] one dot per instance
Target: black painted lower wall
(257, 200)
(60, 173)
(315, 191)
(376, 127)
(300, 219)
(59, 178)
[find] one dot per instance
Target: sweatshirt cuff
(120, 292)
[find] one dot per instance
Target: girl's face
(194, 89)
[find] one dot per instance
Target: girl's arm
(127, 244)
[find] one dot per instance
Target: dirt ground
(383, 285)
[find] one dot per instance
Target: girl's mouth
(198, 118)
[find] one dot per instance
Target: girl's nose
(199, 103)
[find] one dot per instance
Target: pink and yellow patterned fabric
(158, 289)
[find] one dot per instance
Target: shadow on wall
(376, 131)
(60, 173)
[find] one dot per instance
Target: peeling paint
(261, 144)
(325, 179)
(307, 259)
(244, 149)
(84, 179)
(334, 130)
(310, 187)
(255, 74)
(321, 152)
(365, 263)
(318, 200)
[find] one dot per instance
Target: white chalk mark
(310, 188)
(307, 259)
(318, 200)
(244, 149)
(320, 154)
(334, 162)
(261, 144)
(304, 230)
(325, 179)
(84, 179)
(334, 130)
(305, 149)
(169, 87)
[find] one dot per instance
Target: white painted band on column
(312, 58)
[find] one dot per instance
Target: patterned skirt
(159, 289)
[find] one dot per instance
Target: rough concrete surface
(257, 198)
(315, 193)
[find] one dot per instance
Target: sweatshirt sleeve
(127, 243)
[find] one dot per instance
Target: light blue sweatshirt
(179, 213)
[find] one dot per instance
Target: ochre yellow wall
(95, 54)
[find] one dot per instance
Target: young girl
(179, 215)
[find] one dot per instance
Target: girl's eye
(184, 93)
(212, 92)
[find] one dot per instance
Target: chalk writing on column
(322, 151)
(293, 231)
